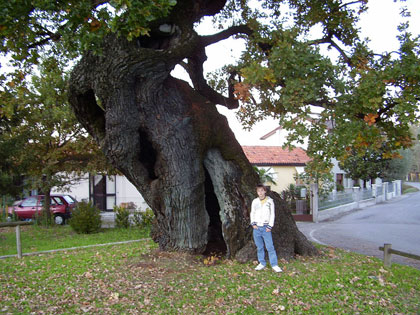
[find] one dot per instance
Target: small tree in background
(54, 149)
(363, 164)
(399, 167)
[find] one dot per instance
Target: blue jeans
(261, 236)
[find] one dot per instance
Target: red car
(61, 207)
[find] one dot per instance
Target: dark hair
(261, 186)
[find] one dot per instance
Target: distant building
(285, 164)
(339, 176)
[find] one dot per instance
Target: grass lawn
(37, 238)
(136, 278)
(406, 188)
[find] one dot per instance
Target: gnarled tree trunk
(174, 146)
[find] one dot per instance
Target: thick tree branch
(194, 67)
(234, 30)
(329, 40)
(47, 37)
(351, 3)
(195, 71)
(342, 53)
(321, 103)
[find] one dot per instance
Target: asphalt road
(396, 222)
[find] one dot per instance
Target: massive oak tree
(166, 135)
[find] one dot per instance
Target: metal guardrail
(18, 241)
(366, 194)
(334, 200)
(390, 187)
(388, 251)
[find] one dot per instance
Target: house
(285, 164)
(341, 181)
(106, 191)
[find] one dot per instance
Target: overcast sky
(379, 24)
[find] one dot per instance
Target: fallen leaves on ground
(136, 278)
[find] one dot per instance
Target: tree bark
(174, 146)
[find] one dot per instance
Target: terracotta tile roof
(275, 155)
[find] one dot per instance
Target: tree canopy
(42, 138)
(365, 99)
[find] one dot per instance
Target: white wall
(127, 192)
(80, 191)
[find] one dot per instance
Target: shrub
(122, 217)
(86, 218)
(137, 218)
(340, 187)
(143, 219)
(128, 205)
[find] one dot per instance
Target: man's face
(261, 193)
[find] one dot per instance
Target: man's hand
(255, 227)
(267, 230)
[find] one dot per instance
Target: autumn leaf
(241, 91)
(212, 260)
(387, 155)
(371, 119)
(94, 25)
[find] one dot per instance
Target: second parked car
(61, 207)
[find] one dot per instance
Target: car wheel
(59, 219)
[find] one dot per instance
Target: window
(102, 191)
(69, 199)
(30, 202)
(53, 202)
(57, 200)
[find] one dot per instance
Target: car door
(27, 208)
(54, 206)
(57, 205)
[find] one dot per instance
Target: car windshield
(69, 199)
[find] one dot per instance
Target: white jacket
(262, 214)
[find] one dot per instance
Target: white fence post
(385, 190)
(397, 187)
(356, 195)
(315, 201)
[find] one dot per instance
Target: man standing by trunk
(262, 221)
